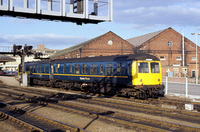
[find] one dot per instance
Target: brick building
(104, 45)
(177, 53)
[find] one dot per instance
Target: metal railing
(185, 87)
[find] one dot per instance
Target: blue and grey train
(136, 75)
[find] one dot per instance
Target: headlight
(140, 80)
(159, 80)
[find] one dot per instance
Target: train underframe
(141, 91)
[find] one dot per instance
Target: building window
(176, 65)
(194, 58)
(162, 58)
(176, 70)
(170, 43)
(178, 58)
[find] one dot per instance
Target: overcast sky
(131, 18)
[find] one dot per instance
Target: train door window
(40, 68)
(101, 69)
(30, 68)
(77, 68)
(34, 69)
(70, 69)
(64, 68)
(143, 67)
(44, 69)
(84, 69)
(129, 68)
(155, 68)
(52, 68)
(56, 70)
(27, 68)
(109, 69)
(93, 69)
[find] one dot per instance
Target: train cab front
(147, 78)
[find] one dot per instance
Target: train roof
(110, 58)
(99, 59)
(39, 62)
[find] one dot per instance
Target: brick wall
(100, 47)
(158, 46)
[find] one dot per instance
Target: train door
(51, 70)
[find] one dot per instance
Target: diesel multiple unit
(137, 75)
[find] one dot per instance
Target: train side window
(101, 69)
(129, 68)
(64, 68)
(77, 68)
(70, 69)
(84, 69)
(109, 69)
(34, 69)
(155, 68)
(143, 67)
(93, 69)
(120, 68)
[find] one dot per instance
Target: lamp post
(196, 57)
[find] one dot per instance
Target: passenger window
(120, 68)
(129, 68)
(155, 68)
(143, 67)
(109, 69)
(77, 68)
(84, 69)
(93, 69)
(101, 69)
(64, 68)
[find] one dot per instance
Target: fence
(185, 87)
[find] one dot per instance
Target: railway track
(132, 121)
(34, 121)
(161, 101)
(20, 122)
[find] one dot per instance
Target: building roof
(75, 47)
(137, 41)
(5, 58)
